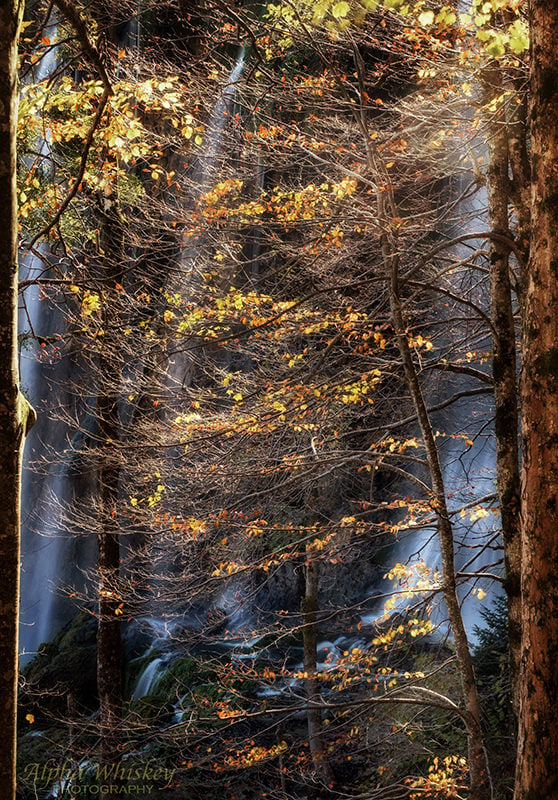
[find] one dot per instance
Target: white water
(217, 123)
(42, 550)
(149, 677)
(205, 173)
(468, 460)
(177, 374)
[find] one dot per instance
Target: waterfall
(44, 553)
(51, 557)
(469, 476)
(182, 280)
(204, 172)
(230, 603)
(468, 459)
(148, 678)
(54, 552)
(217, 122)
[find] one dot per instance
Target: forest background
(275, 262)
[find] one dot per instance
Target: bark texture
(15, 413)
(537, 766)
(109, 637)
(309, 609)
(109, 374)
(519, 161)
(504, 364)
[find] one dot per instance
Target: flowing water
(44, 371)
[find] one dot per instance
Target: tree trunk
(504, 367)
(520, 165)
(109, 638)
(479, 775)
(109, 378)
(16, 416)
(309, 609)
(537, 766)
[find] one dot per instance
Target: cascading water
(469, 477)
(230, 603)
(51, 557)
(218, 121)
(204, 172)
(55, 553)
(48, 557)
(468, 460)
(148, 678)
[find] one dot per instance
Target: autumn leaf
(426, 18)
(340, 10)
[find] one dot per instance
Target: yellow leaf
(90, 303)
(426, 18)
(340, 10)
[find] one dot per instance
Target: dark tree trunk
(504, 365)
(16, 416)
(309, 609)
(520, 165)
(109, 639)
(537, 766)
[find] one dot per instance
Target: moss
(49, 746)
(156, 709)
(184, 674)
(65, 667)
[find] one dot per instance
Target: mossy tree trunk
(16, 416)
(537, 765)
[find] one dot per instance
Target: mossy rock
(183, 674)
(63, 676)
(37, 750)
(178, 677)
(153, 709)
